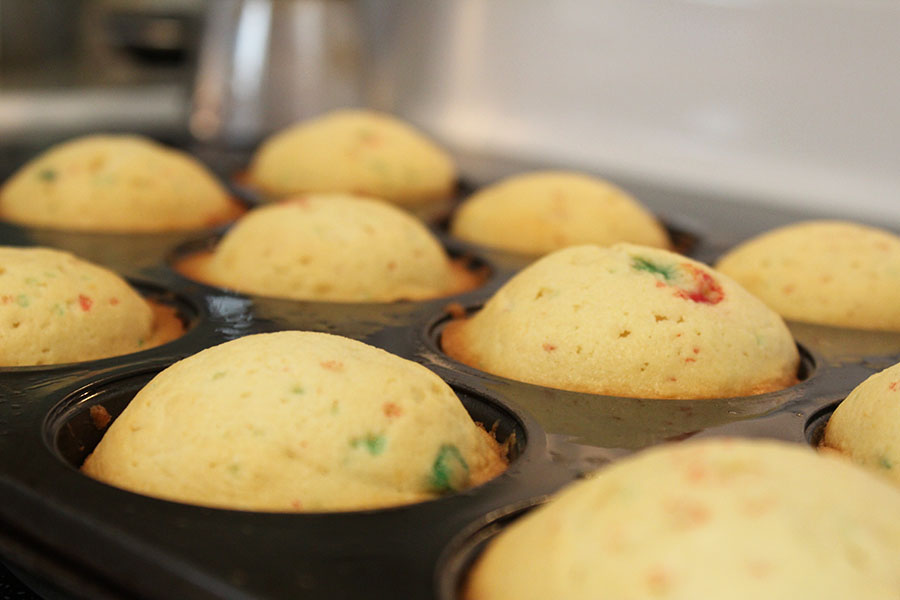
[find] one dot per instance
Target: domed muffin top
(537, 213)
(115, 183)
(826, 272)
(628, 321)
(354, 151)
(335, 248)
(735, 519)
(56, 308)
(295, 421)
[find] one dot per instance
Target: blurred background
(790, 104)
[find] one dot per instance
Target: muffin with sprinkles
(735, 519)
(628, 320)
(866, 426)
(825, 272)
(295, 421)
(56, 308)
(115, 183)
(356, 152)
(335, 248)
(537, 213)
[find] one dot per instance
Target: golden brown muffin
(866, 425)
(356, 152)
(628, 321)
(537, 213)
(56, 308)
(116, 183)
(826, 272)
(295, 421)
(734, 519)
(334, 248)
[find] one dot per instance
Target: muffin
(115, 183)
(627, 321)
(335, 248)
(537, 213)
(826, 272)
(357, 152)
(295, 421)
(735, 519)
(56, 308)
(866, 425)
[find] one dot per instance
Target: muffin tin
(77, 538)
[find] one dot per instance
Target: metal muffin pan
(90, 540)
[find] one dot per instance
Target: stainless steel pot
(266, 63)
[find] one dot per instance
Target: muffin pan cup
(91, 540)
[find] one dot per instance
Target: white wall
(795, 103)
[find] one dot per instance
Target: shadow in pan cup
(461, 554)
(815, 425)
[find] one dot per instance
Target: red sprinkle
(391, 410)
(113, 301)
(696, 473)
(370, 138)
(707, 290)
(893, 386)
(85, 302)
(549, 347)
(332, 365)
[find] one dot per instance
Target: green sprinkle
(234, 468)
(297, 389)
(375, 444)
(23, 300)
(885, 463)
(105, 179)
(642, 264)
(335, 407)
(449, 470)
(365, 134)
(140, 342)
(380, 167)
(31, 281)
(59, 310)
(47, 175)
(219, 374)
